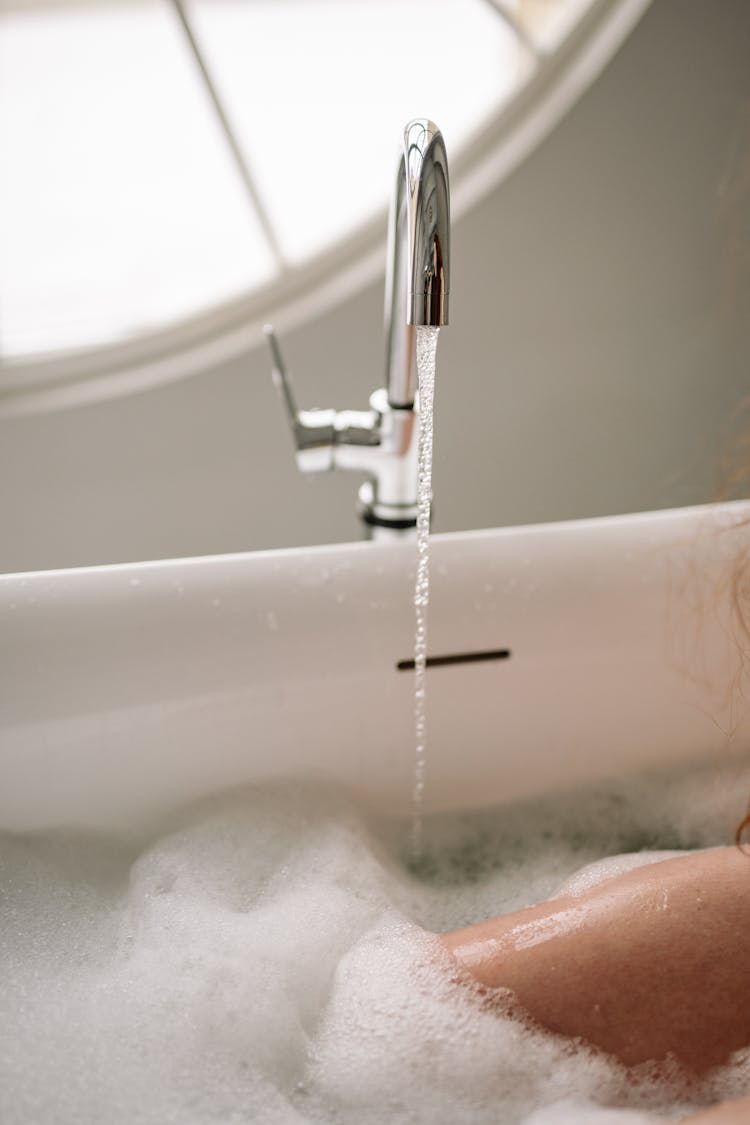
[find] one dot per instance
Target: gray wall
(596, 351)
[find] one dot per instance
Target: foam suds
(268, 959)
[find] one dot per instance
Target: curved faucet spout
(418, 269)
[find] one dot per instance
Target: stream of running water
(426, 350)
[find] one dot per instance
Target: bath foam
(265, 958)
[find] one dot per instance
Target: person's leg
(650, 963)
(728, 1113)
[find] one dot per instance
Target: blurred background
(177, 172)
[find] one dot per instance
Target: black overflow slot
(457, 658)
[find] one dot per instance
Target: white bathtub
(127, 690)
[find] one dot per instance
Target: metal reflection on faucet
(382, 441)
(417, 274)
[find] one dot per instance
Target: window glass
(319, 94)
(120, 208)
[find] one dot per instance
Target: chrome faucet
(382, 441)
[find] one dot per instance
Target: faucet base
(397, 517)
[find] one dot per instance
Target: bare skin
(649, 963)
(728, 1113)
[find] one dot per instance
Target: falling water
(426, 349)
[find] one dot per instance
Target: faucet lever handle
(281, 380)
(313, 430)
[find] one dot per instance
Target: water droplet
(135, 581)
(272, 621)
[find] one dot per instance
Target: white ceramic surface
(127, 690)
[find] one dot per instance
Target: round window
(177, 172)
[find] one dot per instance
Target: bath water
(426, 350)
(268, 956)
